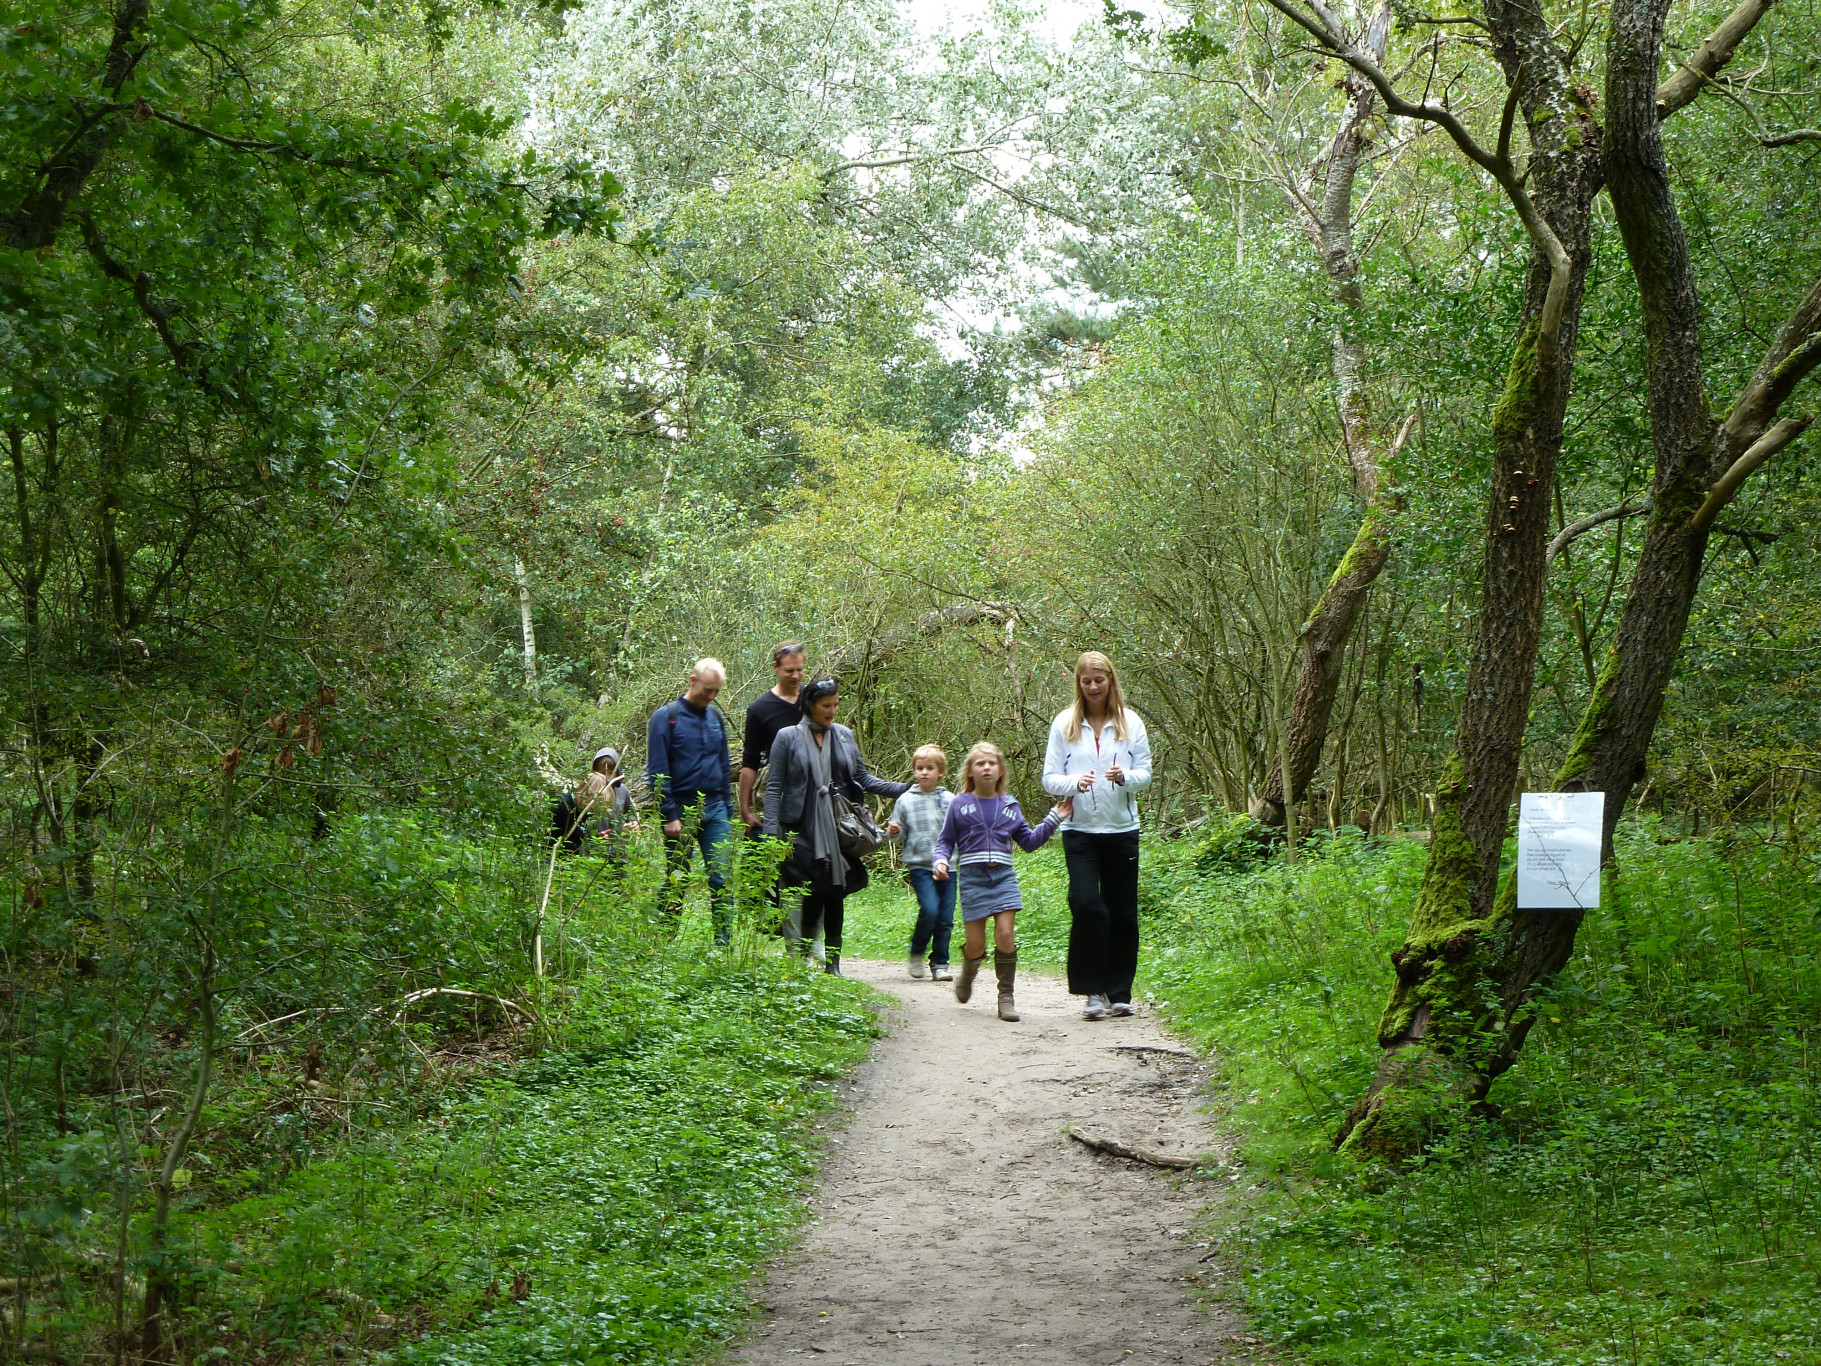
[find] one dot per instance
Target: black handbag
(855, 828)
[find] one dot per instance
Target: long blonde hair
(983, 749)
(1093, 659)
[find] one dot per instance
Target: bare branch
(1571, 533)
(1680, 90)
(906, 159)
(1320, 23)
(1790, 138)
(1761, 450)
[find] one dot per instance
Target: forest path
(958, 1223)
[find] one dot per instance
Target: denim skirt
(988, 888)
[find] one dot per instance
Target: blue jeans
(709, 826)
(935, 915)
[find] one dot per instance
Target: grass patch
(1649, 1193)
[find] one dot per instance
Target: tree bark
(1460, 1010)
(526, 633)
(1323, 642)
(1445, 970)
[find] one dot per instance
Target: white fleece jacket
(1106, 808)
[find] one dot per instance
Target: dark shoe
(964, 984)
(833, 966)
(1005, 967)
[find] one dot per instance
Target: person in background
(600, 806)
(619, 808)
(917, 819)
(983, 823)
(810, 762)
(767, 714)
(690, 768)
(770, 712)
(1098, 753)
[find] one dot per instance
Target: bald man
(690, 768)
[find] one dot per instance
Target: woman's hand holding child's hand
(1066, 807)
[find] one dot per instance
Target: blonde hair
(931, 752)
(709, 665)
(983, 749)
(1093, 659)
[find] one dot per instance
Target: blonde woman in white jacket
(1100, 755)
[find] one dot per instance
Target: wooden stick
(407, 1002)
(1114, 1148)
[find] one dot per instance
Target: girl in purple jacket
(983, 823)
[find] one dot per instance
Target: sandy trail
(956, 1221)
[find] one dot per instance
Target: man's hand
(752, 820)
(893, 828)
(1085, 781)
(1116, 776)
(673, 827)
(940, 872)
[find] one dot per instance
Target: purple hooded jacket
(983, 829)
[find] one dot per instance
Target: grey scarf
(824, 839)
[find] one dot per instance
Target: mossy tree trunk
(1694, 455)
(1447, 968)
(1469, 971)
(1326, 202)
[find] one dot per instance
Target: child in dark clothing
(982, 825)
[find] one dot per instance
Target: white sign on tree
(1559, 850)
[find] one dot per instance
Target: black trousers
(1103, 913)
(824, 907)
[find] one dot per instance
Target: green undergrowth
(1648, 1193)
(415, 1149)
(605, 1202)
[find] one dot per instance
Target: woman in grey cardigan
(809, 762)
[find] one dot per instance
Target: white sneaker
(1119, 1008)
(1096, 1008)
(940, 973)
(915, 964)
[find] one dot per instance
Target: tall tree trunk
(528, 635)
(1328, 219)
(1430, 1029)
(1466, 975)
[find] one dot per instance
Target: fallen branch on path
(1112, 1147)
(1151, 1048)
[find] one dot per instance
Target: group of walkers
(803, 780)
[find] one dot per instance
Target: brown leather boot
(1005, 967)
(964, 984)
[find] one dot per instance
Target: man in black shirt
(770, 712)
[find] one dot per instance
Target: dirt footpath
(958, 1223)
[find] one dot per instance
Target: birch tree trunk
(524, 622)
